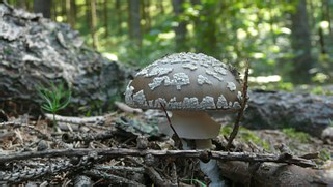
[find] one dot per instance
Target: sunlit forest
(285, 42)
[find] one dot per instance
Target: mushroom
(189, 85)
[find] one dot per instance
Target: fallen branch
(76, 120)
(122, 152)
(126, 108)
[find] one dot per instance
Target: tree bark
(118, 9)
(134, 22)
(93, 22)
(53, 54)
(44, 7)
(180, 29)
(105, 18)
(301, 44)
(70, 12)
(272, 174)
(277, 110)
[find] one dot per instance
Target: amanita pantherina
(189, 85)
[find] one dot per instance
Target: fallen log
(277, 110)
(36, 51)
(272, 174)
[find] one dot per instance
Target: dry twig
(241, 111)
(76, 120)
(126, 108)
(176, 136)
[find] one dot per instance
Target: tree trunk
(205, 28)
(145, 6)
(301, 44)
(118, 9)
(134, 23)
(21, 4)
(93, 22)
(70, 12)
(180, 29)
(105, 18)
(44, 7)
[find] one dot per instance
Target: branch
(123, 152)
(241, 111)
(76, 120)
(178, 141)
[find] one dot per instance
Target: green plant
(300, 136)
(246, 135)
(54, 98)
(195, 181)
(324, 155)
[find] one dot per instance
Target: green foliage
(142, 56)
(299, 136)
(324, 155)
(330, 123)
(195, 181)
(280, 85)
(54, 98)
(232, 31)
(246, 136)
(319, 90)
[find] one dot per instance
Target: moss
(319, 90)
(299, 136)
(226, 131)
(324, 155)
(246, 135)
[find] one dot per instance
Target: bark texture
(276, 110)
(273, 174)
(36, 51)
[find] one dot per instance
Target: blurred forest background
(287, 43)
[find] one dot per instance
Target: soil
(122, 130)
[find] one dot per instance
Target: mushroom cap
(185, 81)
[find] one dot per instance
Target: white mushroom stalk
(194, 125)
(189, 85)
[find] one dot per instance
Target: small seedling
(54, 98)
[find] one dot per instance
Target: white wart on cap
(185, 81)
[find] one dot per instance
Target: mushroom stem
(212, 171)
(194, 125)
(203, 143)
(199, 126)
(209, 168)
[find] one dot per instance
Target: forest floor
(28, 149)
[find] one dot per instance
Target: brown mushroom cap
(185, 81)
